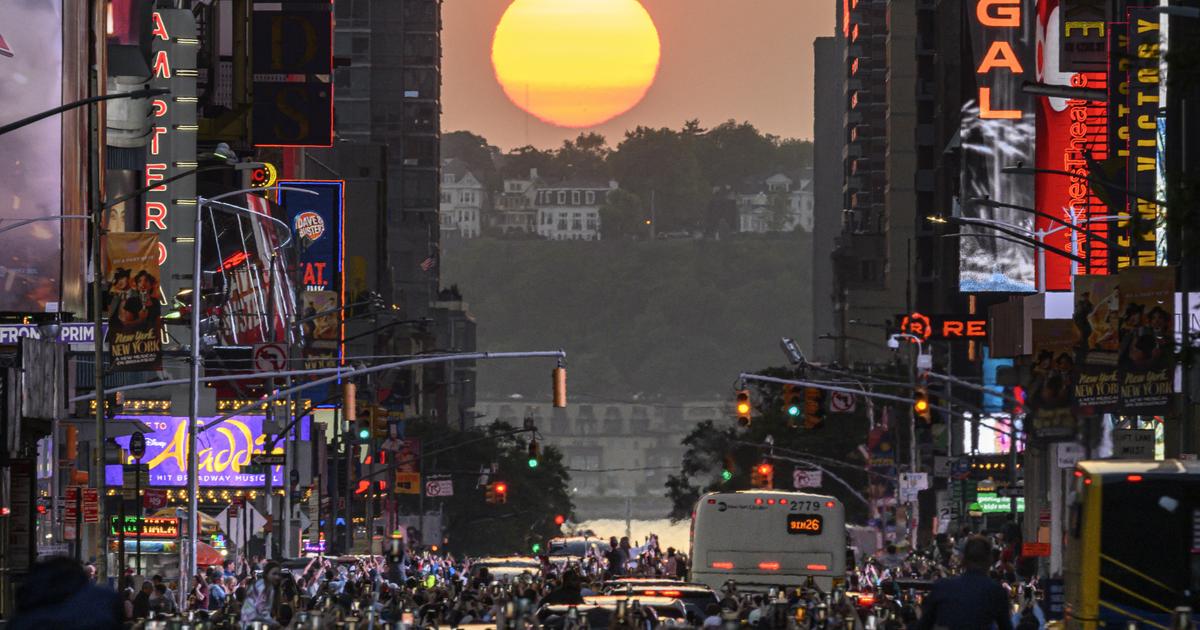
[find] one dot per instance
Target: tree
(733, 152)
(713, 446)
(535, 495)
(476, 152)
(584, 156)
(516, 164)
(661, 168)
(623, 216)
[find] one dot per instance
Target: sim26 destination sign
(805, 524)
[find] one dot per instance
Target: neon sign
(943, 327)
(1000, 15)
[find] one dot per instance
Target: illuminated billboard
(223, 452)
(31, 81)
(998, 130)
(1068, 132)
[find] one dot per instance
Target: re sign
(998, 16)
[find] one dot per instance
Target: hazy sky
(742, 59)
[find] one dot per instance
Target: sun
(575, 63)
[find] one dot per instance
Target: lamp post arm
(1024, 170)
(1020, 237)
(29, 120)
(1049, 217)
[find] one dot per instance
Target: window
(562, 222)
(445, 197)
(576, 221)
(591, 197)
(468, 196)
(592, 224)
(575, 197)
(562, 197)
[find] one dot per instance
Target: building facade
(570, 210)
(513, 211)
(619, 454)
(462, 201)
(776, 203)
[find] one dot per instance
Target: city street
(604, 314)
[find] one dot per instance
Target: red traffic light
(559, 519)
(765, 469)
(500, 488)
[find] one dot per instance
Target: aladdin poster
(1147, 362)
(1097, 322)
(133, 301)
(1051, 394)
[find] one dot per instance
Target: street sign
(806, 478)
(270, 357)
(1068, 454)
(268, 459)
(408, 483)
(841, 402)
(1133, 443)
(137, 444)
(91, 505)
(439, 488)
(154, 499)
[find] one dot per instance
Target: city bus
(766, 538)
(1133, 543)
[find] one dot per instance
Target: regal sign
(944, 327)
(152, 527)
(169, 209)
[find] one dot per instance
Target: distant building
(619, 454)
(462, 201)
(776, 203)
(570, 210)
(513, 208)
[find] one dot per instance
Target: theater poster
(1097, 320)
(133, 301)
(1051, 396)
(1147, 361)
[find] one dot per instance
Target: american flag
(428, 263)
(5, 49)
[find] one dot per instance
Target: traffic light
(791, 402)
(727, 470)
(379, 423)
(364, 430)
(743, 407)
(763, 476)
(560, 386)
(559, 519)
(497, 492)
(814, 408)
(921, 407)
(534, 454)
(537, 548)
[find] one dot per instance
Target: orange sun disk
(575, 63)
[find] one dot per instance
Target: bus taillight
(817, 567)
(768, 566)
(722, 565)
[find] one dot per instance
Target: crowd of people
(418, 588)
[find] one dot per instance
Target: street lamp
(227, 160)
(194, 358)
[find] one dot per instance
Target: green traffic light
(793, 410)
(533, 463)
(726, 475)
(536, 547)
(364, 433)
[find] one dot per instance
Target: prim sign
(944, 327)
(1001, 22)
(169, 208)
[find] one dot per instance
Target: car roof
(1142, 467)
(645, 601)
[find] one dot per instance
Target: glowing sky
(720, 59)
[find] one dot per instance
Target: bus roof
(1107, 467)
(787, 493)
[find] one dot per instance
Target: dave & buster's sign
(943, 327)
(316, 221)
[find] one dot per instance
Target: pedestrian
(58, 594)
(971, 600)
(141, 601)
(261, 598)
